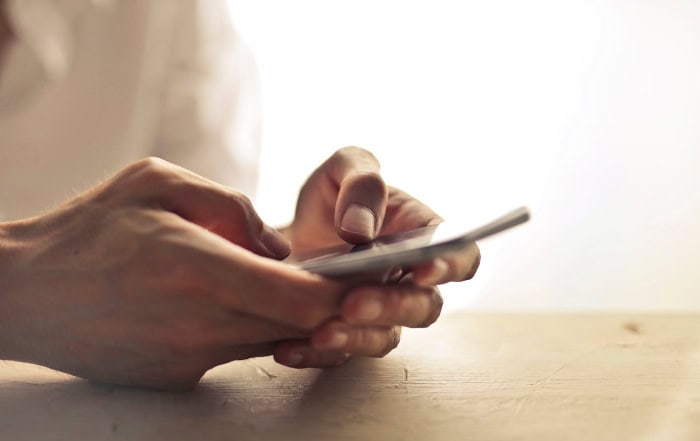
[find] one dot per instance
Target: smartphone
(402, 250)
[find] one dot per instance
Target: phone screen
(404, 240)
(402, 249)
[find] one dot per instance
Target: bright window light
(587, 111)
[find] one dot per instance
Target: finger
(300, 354)
(242, 282)
(369, 341)
(404, 212)
(245, 283)
(227, 213)
(402, 304)
(217, 208)
(454, 267)
(362, 194)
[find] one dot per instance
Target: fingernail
(275, 242)
(339, 339)
(437, 273)
(358, 219)
(369, 310)
(295, 359)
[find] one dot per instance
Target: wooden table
(469, 377)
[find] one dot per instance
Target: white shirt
(88, 86)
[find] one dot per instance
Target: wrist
(9, 251)
(10, 245)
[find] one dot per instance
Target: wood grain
(475, 377)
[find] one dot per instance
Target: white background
(586, 111)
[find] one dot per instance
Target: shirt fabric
(88, 86)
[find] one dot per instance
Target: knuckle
(475, 266)
(150, 164)
(138, 178)
(417, 307)
(351, 154)
(354, 151)
(244, 206)
(392, 342)
(437, 303)
(242, 200)
(151, 170)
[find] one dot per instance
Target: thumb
(232, 216)
(212, 206)
(362, 194)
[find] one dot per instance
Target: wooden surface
(469, 377)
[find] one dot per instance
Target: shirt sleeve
(209, 118)
(42, 50)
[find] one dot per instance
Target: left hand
(346, 200)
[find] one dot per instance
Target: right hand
(151, 279)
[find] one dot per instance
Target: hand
(346, 200)
(150, 279)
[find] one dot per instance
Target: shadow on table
(78, 409)
(292, 405)
(365, 399)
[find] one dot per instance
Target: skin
(138, 282)
(157, 275)
(152, 278)
(371, 315)
(5, 31)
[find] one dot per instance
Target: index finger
(362, 194)
(249, 284)
(219, 209)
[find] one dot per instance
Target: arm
(150, 279)
(8, 252)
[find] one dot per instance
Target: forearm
(5, 287)
(10, 247)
